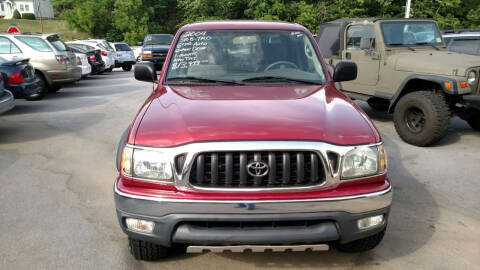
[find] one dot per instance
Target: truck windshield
(245, 56)
(411, 33)
(158, 40)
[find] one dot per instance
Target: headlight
(364, 161)
(148, 164)
(472, 77)
(147, 54)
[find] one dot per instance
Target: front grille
(255, 224)
(229, 169)
(159, 54)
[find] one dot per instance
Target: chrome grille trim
(191, 150)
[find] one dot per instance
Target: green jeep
(404, 68)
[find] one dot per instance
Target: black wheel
(54, 88)
(143, 250)
(422, 118)
(109, 70)
(127, 67)
(362, 245)
(40, 92)
(473, 119)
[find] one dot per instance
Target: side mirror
(145, 72)
(139, 43)
(345, 71)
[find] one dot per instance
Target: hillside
(49, 26)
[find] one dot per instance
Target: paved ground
(57, 211)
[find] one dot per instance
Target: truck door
(360, 47)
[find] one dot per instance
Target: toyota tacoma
(245, 144)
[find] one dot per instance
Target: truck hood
(184, 114)
(156, 48)
(435, 62)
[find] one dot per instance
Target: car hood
(184, 114)
(434, 62)
(156, 48)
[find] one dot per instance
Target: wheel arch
(417, 82)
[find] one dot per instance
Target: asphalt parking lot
(57, 169)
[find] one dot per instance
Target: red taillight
(104, 53)
(62, 59)
(79, 61)
(91, 58)
(15, 78)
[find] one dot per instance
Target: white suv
(55, 64)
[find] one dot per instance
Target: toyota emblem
(257, 169)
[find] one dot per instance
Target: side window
(7, 46)
(360, 37)
(36, 43)
(328, 40)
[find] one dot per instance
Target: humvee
(404, 68)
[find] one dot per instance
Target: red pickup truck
(245, 144)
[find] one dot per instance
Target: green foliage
(28, 16)
(130, 20)
(16, 14)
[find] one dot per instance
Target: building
(7, 7)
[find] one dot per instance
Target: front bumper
(7, 102)
(175, 220)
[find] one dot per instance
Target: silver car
(125, 56)
(55, 64)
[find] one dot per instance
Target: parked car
(137, 51)
(54, 63)
(404, 68)
(19, 77)
(155, 48)
(94, 56)
(107, 53)
(245, 147)
(82, 62)
(7, 101)
(465, 41)
(125, 55)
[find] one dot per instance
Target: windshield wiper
(401, 44)
(426, 43)
(279, 78)
(200, 79)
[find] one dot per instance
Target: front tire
(474, 119)
(362, 245)
(127, 67)
(422, 118)
(143, 250)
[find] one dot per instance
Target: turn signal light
(369, 222)
(463, 84)
(448, 85)
(16, 78)
(139, 225)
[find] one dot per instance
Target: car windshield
(467, 45)
(158, 40)
(122, 47)
(411, 33)
(245, 56)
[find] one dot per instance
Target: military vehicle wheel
(422, 118)
(474, 119)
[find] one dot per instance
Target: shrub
(16, 14)
(28, 16)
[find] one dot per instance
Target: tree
(16, 14)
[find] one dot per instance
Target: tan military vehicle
(404, 68)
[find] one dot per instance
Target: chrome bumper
(158, 207)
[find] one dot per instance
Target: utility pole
(40, 13)
(407, 9)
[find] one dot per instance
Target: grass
(49, 26)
